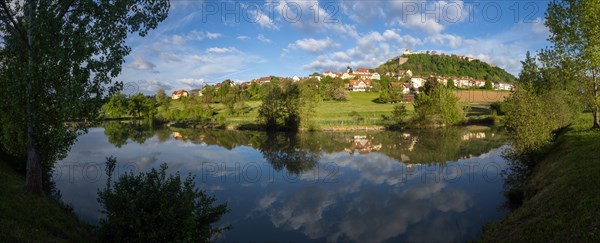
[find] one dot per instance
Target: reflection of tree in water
(119, 132)
(282, 150)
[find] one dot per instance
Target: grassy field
(335, 114)
(25, 218)
(562, 201)
(330, 114)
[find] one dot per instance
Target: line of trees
(559, 82)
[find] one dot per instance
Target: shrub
(399, 113)
(499, 107)
(439, 107)
(151, 207)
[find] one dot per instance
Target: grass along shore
(562, 195)
(27, 218)
(368, 115)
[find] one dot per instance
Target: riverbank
(26, 218)
(359, 112)
(562, 195)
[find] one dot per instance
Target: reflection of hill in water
(411, 147)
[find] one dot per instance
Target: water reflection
(422, 185)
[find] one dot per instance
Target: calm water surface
(424, 185)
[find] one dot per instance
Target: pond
(421, 185)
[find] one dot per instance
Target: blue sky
(204, 42)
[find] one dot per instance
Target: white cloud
(538, 27)
(262, 19)
(262, 38)
(191, 83)
(142, 64)
(243, 37)
(152, 86)
(372, 49)
(313, 18)
(201, 35)
(221, 50)
(448, 40)
(314, 45)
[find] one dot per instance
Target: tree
(282, 106)
(488, 85)
(116, 107)
(151, 207)
(439, 107)
(529, 74)
(57, 59)
(431, 84)
(399, 113)
(575, 26)
(451, 84)
(161, 96)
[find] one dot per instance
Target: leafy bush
(399, 113)
(532, 117)
(439, 107)
(151, 207)
(499, 107)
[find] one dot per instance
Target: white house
(503, 86)
(375, 76)
(295, 78)
(417, 82)
(359, 85)
(463, 83)
(362, 71)
(331, 74)
(178, 94)
(347, 76)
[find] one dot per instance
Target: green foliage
(532, 117)
(154, 207)
(499, 107)
(488, 85)
(574, 29)
(333, 89)
(118, 133)
(400, 113)
(448, 66)
(161, 96)
(439, 107)
(431, 84)
(58, 61)
(281, 108)
(116, 107)
(450, 85)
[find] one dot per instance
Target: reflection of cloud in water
(267, 200)
(376, 167)
(365, 218)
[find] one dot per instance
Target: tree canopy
(58, 58)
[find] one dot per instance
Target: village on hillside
(361, 79)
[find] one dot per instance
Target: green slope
(448, 66)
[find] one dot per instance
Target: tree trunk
(33, 177)
(595, 108)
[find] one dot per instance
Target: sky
(206, 42)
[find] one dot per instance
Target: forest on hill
(447, 66)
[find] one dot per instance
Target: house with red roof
(359, 85)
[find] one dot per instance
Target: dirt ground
(480, 96)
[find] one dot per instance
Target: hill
(447, 66)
